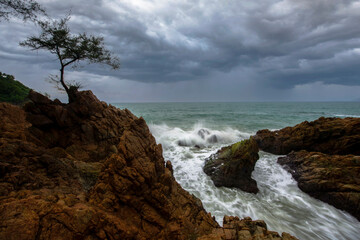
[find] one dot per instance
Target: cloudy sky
(203, 50)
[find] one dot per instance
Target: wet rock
(326, 135)
(183, 143)
(232, 166)
(334, 179)
(213, 139)
(203, 133)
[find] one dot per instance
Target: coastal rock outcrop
(87, 170)
(326, 135)
(334, 179)
(232, 166)
(244, 229)
(322, 158)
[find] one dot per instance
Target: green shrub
(12, 91)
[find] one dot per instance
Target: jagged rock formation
(334, 179)
(244, 229)
(324, 166)
(87, 170)
(326, 135)
(232, 166)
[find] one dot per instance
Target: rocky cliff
(326, 135)
(87, 170)
(334, 179)
(323, 156)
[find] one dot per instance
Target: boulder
(334, 179)
(326, 135)
(232, 166)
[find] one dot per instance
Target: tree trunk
(71, 94)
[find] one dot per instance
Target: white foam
(283, 206)
(198, 136)
(345, 115)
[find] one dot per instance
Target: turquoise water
(242, 116)
(283, 206)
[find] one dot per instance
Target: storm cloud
(272, 45)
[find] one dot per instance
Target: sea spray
(279, 202)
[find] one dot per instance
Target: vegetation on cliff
(70, 49)
(12, 91)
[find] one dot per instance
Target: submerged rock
(326, 135)
(334, 179)
(213, 139)
(203, 133)
(232, 166)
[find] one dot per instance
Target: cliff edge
(88, 170)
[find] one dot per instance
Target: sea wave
(279, 202)
(346, 115)
(199, 136)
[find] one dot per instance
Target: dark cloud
(278, 44)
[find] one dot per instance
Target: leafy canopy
(70, 48)
(56, 38)
(27, 9)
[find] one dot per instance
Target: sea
(283, 206)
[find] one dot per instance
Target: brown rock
(232, 166)
(91, 172)
(326, 135)
(334, 179)
(244, 229)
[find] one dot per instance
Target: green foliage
(11, 90)
(26, 9)
(70, 48)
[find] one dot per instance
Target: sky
(202, 50)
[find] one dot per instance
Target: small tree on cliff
(27, 9)
(70, 49)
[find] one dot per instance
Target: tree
(70, 49)
(27, 9)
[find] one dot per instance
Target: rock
(326, 135)
(334, 179)
(244, 229)
(203, 133)
(91, 172)
(38, 98)
(232, 166)
(213, 139)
